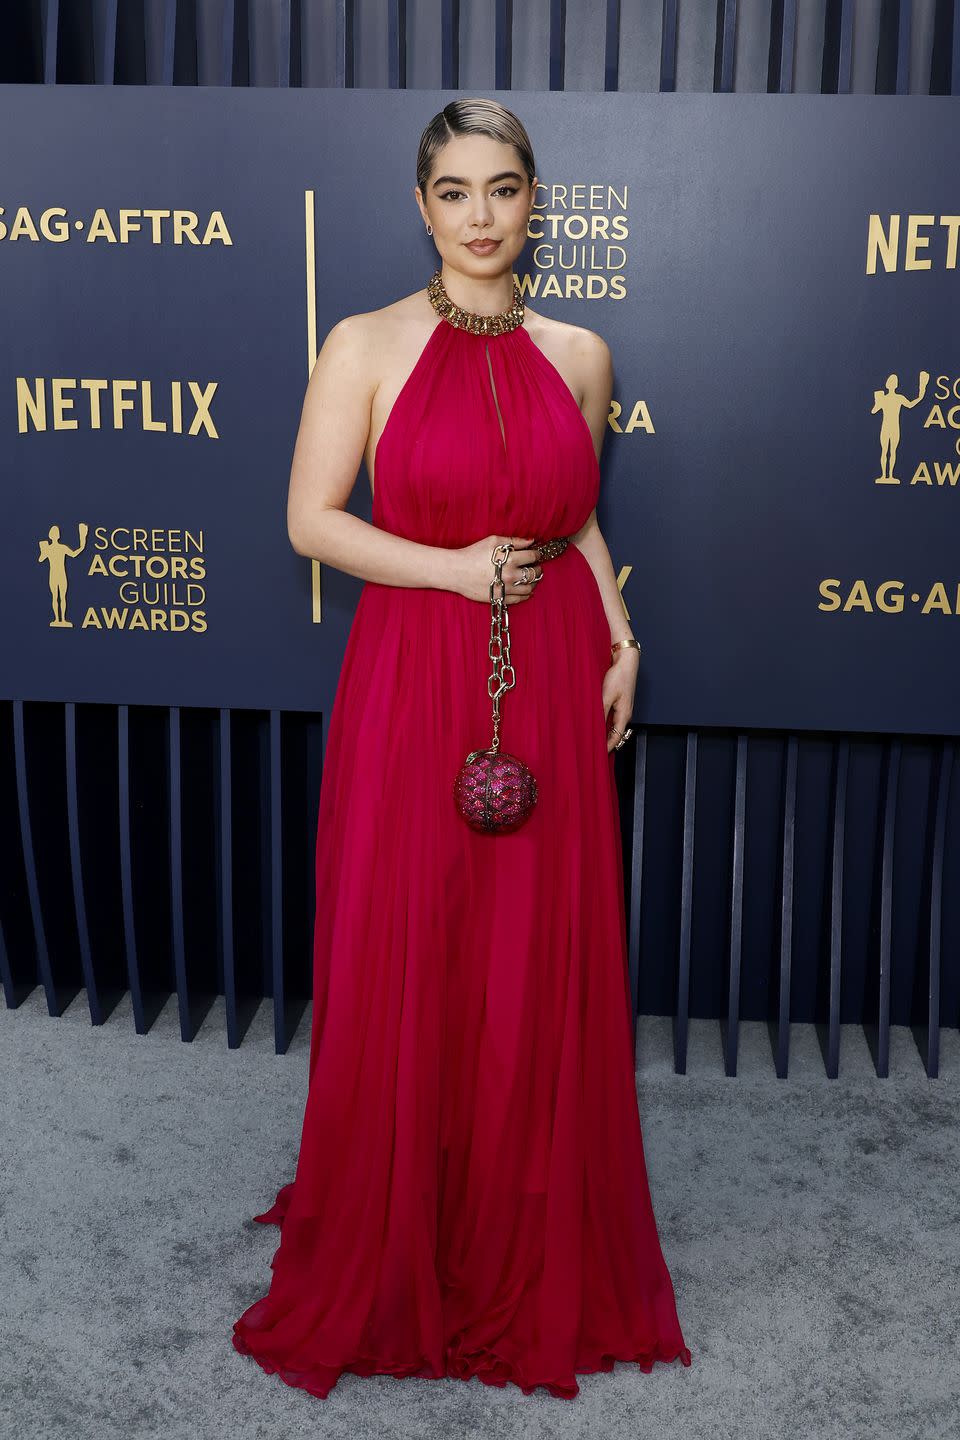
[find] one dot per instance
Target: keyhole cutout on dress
(496, 402)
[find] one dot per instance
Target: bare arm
(597, 369)
(334, 427)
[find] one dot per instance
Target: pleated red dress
(471, 1195)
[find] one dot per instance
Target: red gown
(471, 1195)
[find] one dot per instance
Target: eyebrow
(459, 180)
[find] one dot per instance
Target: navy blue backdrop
(774, 276)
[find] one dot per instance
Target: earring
(429, 229)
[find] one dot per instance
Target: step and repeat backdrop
(776, 276)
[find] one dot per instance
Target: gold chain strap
(499, 647)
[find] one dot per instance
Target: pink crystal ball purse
(495, 792)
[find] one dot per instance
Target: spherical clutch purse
(496, 792)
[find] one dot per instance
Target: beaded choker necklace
(468, 319)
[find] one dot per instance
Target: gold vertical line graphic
(311, 277)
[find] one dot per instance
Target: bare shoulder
(575, 340)
(581, 355)
(366, 334)
(344, 352)
(390, 324)
(379, 346)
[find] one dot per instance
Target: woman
(470, 1196)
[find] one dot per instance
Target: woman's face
(477, 191)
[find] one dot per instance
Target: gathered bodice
(485, 436)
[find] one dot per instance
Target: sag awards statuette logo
(928, 473)
(889, 402)
(54, 553)
(154, 573)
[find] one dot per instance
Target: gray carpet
(812, 1228)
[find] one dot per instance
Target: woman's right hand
(476, 572)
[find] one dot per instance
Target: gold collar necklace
(468, 319)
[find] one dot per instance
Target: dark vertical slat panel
(397, 44)
(558, 42)
(316, 761)
(904, 20)
(837, 68)
(788, 45)
(682, 1021)
(893, 48)
(781, 1039)
(29, 858)
(243, 870)
(450, 44)
(169, 42)
(227, 950)
(668, 48)
(105, 52)
(7, 982)
(636, 879)
(267, 843)
(281, 1039)
(731, 1031)
(51, 35)
(128, 908)
(783, 37)
(830, 1035)
(14, 989)
(227, 42)
(878, 1033)
(927, 1035)
(97, 1013)
(845, 66)
(503, 45)
(344, 52)
(175, 832)
(955, 56)
(611, 51)
(725, 53)
(283, 46)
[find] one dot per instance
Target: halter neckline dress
(470, 1196)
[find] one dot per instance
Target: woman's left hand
(619, 687)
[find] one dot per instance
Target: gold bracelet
(624, 645)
